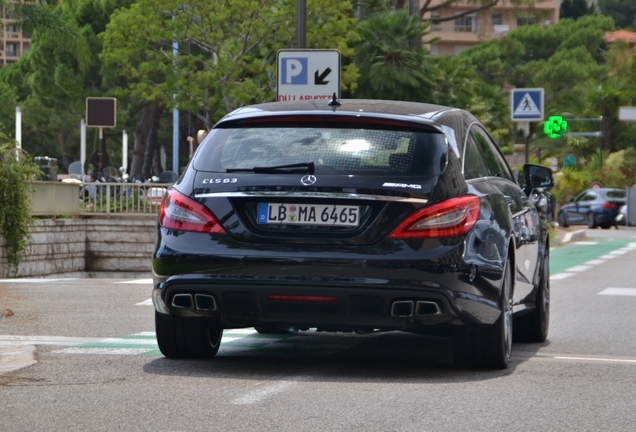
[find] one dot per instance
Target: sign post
(527, 105)
(307, 74)
(101, 112)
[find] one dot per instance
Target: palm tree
(389, 67)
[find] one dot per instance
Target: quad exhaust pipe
(202, 302)
(408, 308)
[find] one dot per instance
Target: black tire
(180, 337)
(534, 326)
(591, 220)
(606, 226)
(489, 346)
(563, 220)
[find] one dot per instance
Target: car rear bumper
(328, 303)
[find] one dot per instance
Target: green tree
(576, 8)
(226, 55)
(389, 67)
(622, 11)
(16, 172)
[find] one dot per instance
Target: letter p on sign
(294, 71)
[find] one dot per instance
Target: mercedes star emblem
(308, 180)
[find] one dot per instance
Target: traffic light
(555, 126)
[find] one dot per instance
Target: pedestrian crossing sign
(526, 104)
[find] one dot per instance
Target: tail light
(180, 213)
(609, 205)
(452, 217)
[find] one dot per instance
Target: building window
(435, 50)
(12, 50)
(526, 20)
(435, 23)
(497, 18)
(466, 24)
(11, 28)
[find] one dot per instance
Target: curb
(573, 236)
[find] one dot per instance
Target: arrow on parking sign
(320, 79)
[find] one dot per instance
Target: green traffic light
(555, 126)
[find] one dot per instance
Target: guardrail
(96, 198)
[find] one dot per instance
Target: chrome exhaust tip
(425, 308)
(183, 301)
(205, 302)
(402, 308)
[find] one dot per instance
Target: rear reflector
(297, 298)
(453, 217)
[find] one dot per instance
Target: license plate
(308, 214)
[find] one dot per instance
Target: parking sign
(307, 74)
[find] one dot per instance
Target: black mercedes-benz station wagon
(352, 215)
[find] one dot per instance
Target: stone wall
(101, 246)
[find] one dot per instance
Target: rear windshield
(332, 150)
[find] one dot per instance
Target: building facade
(12, 42)
(466, 31)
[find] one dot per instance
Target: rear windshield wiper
(296, 168)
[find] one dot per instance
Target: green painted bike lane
(577, 253)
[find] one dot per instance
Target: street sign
(526, 104)
(307, 74)
(101, 112)
(555, 126)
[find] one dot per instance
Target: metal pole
(124, 151)
(301, 24)
(175, 119)
(18, 132)
(83, 146)
(102, 149)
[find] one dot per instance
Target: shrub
(17, 170)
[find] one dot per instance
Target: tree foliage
(16, 173)
(622, 11)
(389, 67)
(226, 51)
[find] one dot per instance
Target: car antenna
(334, 102)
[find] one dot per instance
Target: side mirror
(538, 176)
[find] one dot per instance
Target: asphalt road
(96, 365)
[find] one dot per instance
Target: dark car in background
(594, 207)
(352, 215)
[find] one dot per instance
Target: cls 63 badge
(219, 180)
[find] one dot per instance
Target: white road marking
(586, 243)
(613, 360)
(104, 351)
(595, 262)
(561, 276)
(145, 303)
(136, 281)
(261, 393)
(619, 291)
(608, 256)
(619, 252)
(35, 280)
(579, 268)
(47, 340)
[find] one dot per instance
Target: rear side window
(331, 149)
(616, 194)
